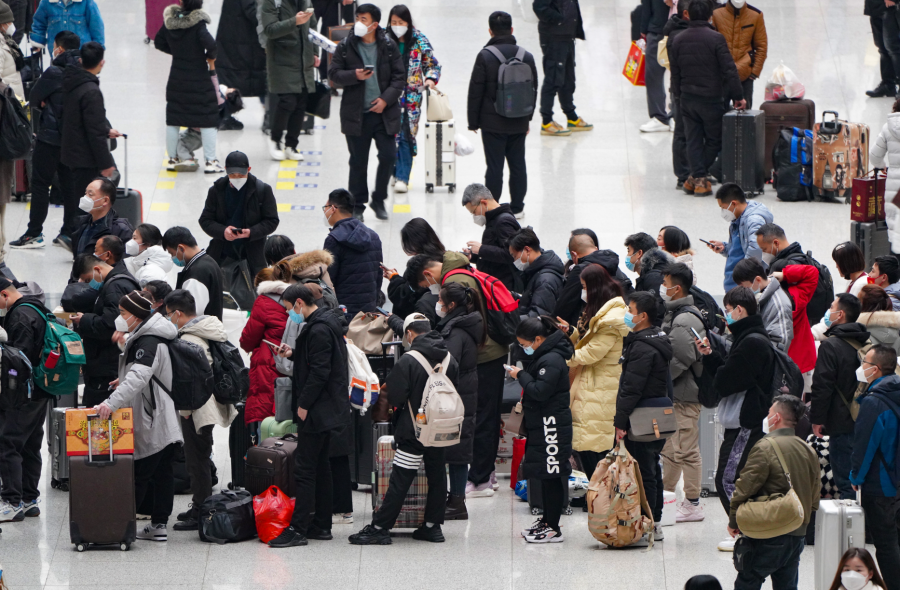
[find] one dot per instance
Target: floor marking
(160, 206)
(165, 184)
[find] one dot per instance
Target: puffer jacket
(543, 281)
(267, 321)
(645, 371)
(883, 327)
(201, 331)
(305, 265)
(744, 229)
(27, 326)
(493, 257)
(802, 281)
(153, 264)
(8, 72)
(702, 66)
(744, 30)
(85, 128)
(483, 89)
(593, 393)
(776, 310)
(687, 259)
(146, 355)
(681, 316)
(48, 89)
(885, 153)
(653, 262)
(290, 55)
(559, 19)
(462, 332)
(355, 269)
(834, 380)
(876, 434)
(240, 61)
(112, 224)
(569, 303)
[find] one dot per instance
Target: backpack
(227, 517)
(231, 376)
(706, 394)
(893, 471)
(711, 315)
(787, 379)
(823, 296)
(328, 295)
(363, 380)
(16, 137)
(442, 405)
(192, 377)
(614, 499)
(792, 160)
(15, 378)
(515, 85)
(502, 307)
(61, 357)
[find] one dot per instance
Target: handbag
(368, 331)
(653, 419)
(239, 283)
(765, 517)
(634, 65)
(318, 103)
(515, 424)
(438, 106)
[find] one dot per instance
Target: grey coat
(290, 56)
(686, 363)
(777, 313)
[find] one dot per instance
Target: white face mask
(584, 295)
(326, 220)
(86, 204)
(861, 374)
(664, 293)
(727, 214)
(360, 29)
(132, 248)
(768, 258)
(122, 324)
(438, 310)
(11, 29)
(852, 580)
(521, 264)
(740, 4)
(399, 30)
(238, 183)
(765, 426)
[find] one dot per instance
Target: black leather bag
(239, 283)
(318, 103)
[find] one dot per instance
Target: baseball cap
(411, 319)
(237, 163)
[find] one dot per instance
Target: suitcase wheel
(451, 188)
(63, 486)
(80, 547)
(54, 483)
(429, 188)
(147, 40)
(124, 546)
(704, 493)
(231, 485)
(535, 511)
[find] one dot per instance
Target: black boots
(456, 508)
(882, 90)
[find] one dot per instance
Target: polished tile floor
(614, 180)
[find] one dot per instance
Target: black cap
(237, 163)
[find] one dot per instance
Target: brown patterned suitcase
(412, 515)
(840, 154)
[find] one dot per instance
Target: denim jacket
(82, 17)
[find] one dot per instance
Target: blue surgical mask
(826, 319)
(528, 350)
(629, 320)
(177, 261)
(295, 317)
(568, 254)
(728, 319)
(95, 284)
(629, 264)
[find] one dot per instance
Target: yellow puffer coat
(594, 391)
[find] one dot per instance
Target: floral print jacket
(422, 66)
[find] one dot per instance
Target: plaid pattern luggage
(412, 515)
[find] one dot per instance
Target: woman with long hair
(852, 265)
(857, 571)
(147, 261)
(677, 243)
(416, 237)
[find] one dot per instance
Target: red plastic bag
(518, 454)
(273, 511)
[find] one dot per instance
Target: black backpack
(787, 378)
(227, 517)
(15, 378)
(515, 84)
(192, 377)
(231, 375)
(823, 296)
(711, 314)
(706, 394)
(16, 137)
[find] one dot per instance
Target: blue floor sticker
(312, 152)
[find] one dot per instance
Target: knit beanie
(138, 304)
(6, 14)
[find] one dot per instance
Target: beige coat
(593, 394)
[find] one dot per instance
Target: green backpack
(65, 347)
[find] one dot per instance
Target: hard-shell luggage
(872, 239)
(272, 428)
(840, 525)
(711, 435)
(129, 202)
(154, 10)
(101, 501)
(59, 461)
(412, 514)
(867, 197)
(21, 185)
(840, 154)
(440, 157)
(743, 150)
(239, 441)
(271, 463)
(536, 500)
(785, 114)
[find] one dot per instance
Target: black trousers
(403, 477)
(197, 449)
(891, 36)
(881, 519)
(21, 433)
(328, 12)
(46, 165)
(487, 420)
(509, 148)
(730, 436)
(288, 115)
(156, 470)
(679, 144)
(553, 497)
(777, 558)
(372, 129)
(559, 77)
(312, 474)
(703, 132)
(647, 456)
(590, 460)
(888, 76)
(341, 485)
(96, 390)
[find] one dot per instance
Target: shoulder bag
(765, 517)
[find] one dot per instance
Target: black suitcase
(239, 440)
(744, 150)
(271, 463)
(129, 202)
(872, 239)
(536, 501)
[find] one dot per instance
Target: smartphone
(704, 241)
(369, 68)
(272, 344)
(236, 230)
(508, 368)
(696, 335)
(310, 10)
(383, 311)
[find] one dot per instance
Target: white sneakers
(153, 532)
(485, 490)
(687, 512)
(339, 518)
(727, 544)
(494, 484)
(654, 125)
(276, 150)
(213, 167)
(292, 154)
(658, 534)
(543, 534)
(14, 512)
(401, 187)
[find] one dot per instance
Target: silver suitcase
(711, 434)
(59, 461)
(840, 525)
(440, 155)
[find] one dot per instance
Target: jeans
(553, 498)
(681, 454)
(500, 147)
(654, 75)
(359, 145)
(341, 485)
(777, 558)
(312, 474)
(197, 449)
(888, 76)
(21, 433)
(289, 112)
(403, 477)
(559, 77)
(46, 165)
(703, 132)
(881, 520)
(207, 134)
(891, 27)
(840, 451)
(679, 144)
(458, 476)
(487, 420)
(404, 154)
(157, 470)
(647, 456)
(729, 438)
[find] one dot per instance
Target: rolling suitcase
(743, 150)
(271, 463)
(785, 114)
(840, 154)
(154, 11)
(21, 186)
(412, 514)
(56, 440)
(440, 157)
(872, 239)
(101, 502)
(239, 440)
(362, 458)
(711, 434)
(129, 202)
(840, 525)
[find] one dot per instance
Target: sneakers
(140, 516)
(536, 525)
(520, 214)
(401, 187)
(230, 124)
(371, 535)
(432, 534)
(456, 508)
(186, 165)
(579, 125)
(377, 207)
(654, 125)
(30, 509)
(688, 186)
(170, 166)
(554, 128)
(359, 216)
(882, 90)
(687, 512)
(494, 484)
(727, 545)
(317, 534)
(679, 185)
(276, 150)
(153, 532)
(544, 534)
(702, 188)
(342, 518)
(289, 537)
(292, 154)
(63, 241)
(672, 124)
(658, 534)
(213, 167)
(27, 242)
(12, 513)
(484, 490)
(189, 524)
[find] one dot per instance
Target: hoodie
(776, 310)
(645, 371)
(885, 153)
(875, 439)
(742, 238)
(462, 332)
(569, 303)
(543, 281)
(355, 270)
(85, 129)
(201, 331)
(48, 90)
(834, 382)
(153, 264)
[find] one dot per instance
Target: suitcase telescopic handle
(125, 167)
(90, 449)
(835, 113)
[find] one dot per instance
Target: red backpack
(502, 307)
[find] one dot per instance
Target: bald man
(583, 251)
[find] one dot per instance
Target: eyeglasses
(523, 346)
(326, 208)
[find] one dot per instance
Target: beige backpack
(614, 498)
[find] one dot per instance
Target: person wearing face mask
(491, 255)
(800, 282)
(45, 160)
(239, 214)
(643, 257)
(744, 29)
(542, 273)
(200, 274)
(158, 291)
(147, 261)
(145, 365)
(416, 237)
(744, 219)
(425, 302)
(101, 220)
(775, 305)
(10, 52)
(110, 250)
(370, 105)
(779, 462)
(885, 273)
(743, 385)
(874, 461)
(857, 571)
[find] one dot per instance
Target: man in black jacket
(101, 219)
(835, 386)
(542, 273)
(884, 20)
(22, 428)
(648, 260)
(654, 14)
(583, 251)
(674, 27)
(322, 408)
(96, 329)
(646, 353)
(559, 25)
(200, 274)
(491, 254)
(239, 214)
(703, 77)
(405, 388)
(47, 94)
(370, 107)
(503, 138)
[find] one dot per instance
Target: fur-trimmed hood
(175, 18)
(306, 265)
(653, 259)
(271, 288)
(887, 319)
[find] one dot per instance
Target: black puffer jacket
(404, 296)
(462, 333)
(543, 281)
(25, 329)
(425, 305)
(406, 383)
(111, 224)
(48, 90)
(355, 272)
(241, 60)
(835, 378)
(483, 89)
(548, 419)
(654, 14)
(559, 19)
(321, 381)
(85, 129)
(651, 277)
(190, 96)
(493, 257)
(702, 66)
(674, 27)
(645, 371)
(569, 304)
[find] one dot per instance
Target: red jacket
(267, 322)
(802, 280)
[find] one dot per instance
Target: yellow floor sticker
(287, 174)
(284, 207)
(288, 164)
(165, 184)
(402, 208)
(285, 186)
(168, 174)
(160, 206)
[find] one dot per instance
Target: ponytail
(531, 328)
(465, 297)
